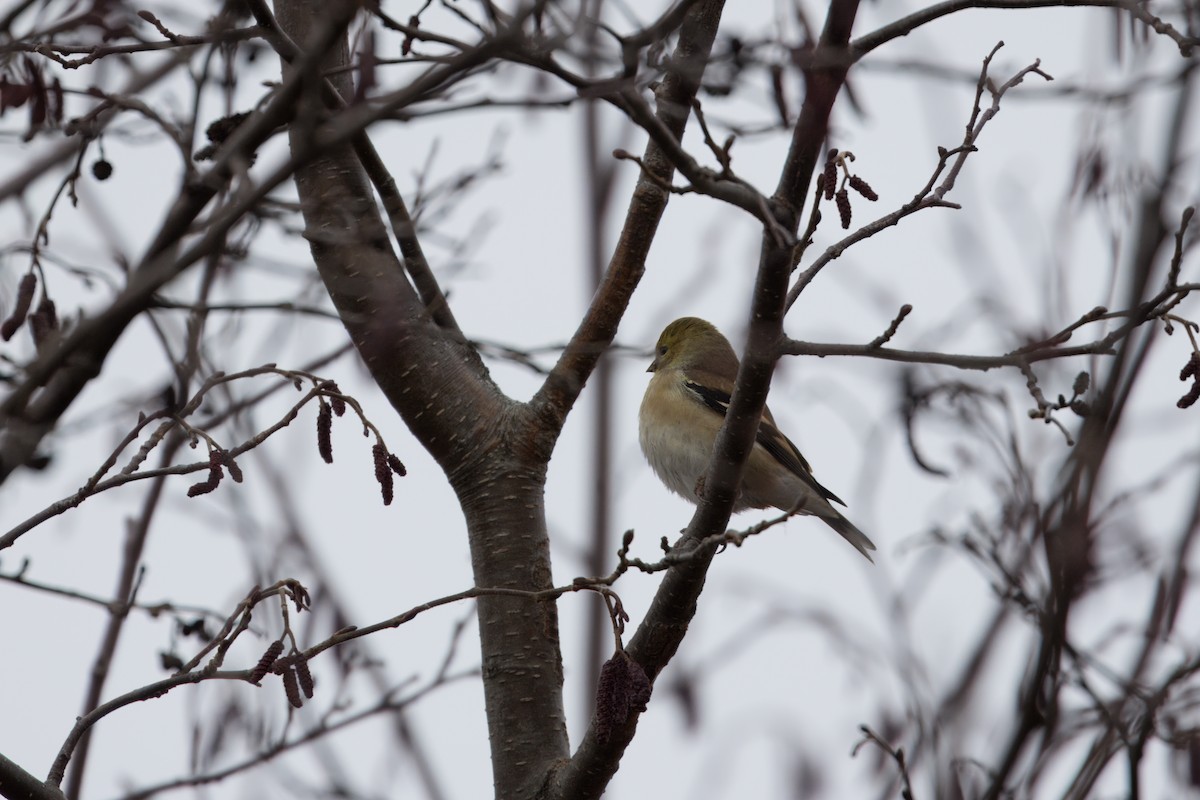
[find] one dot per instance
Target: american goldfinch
(684, 407)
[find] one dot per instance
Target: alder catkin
(1082, 382)
(16, 319)
(843, 207)
(266, 662)
(830, 176)
(1191, 397)
(383, 472)
(336, 401)
(863, 188)
(324, 431)
(290, 688)
(304, 676)
(235, 471)
(43, 322)
(622, 689)
(1191, 368)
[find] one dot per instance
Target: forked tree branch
(17, 784)
(65, 370)
(403, 226)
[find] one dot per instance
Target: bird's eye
(662, 350)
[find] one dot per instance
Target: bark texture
(484, 441)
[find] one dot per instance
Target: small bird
(684, 407)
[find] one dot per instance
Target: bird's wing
(771, 438)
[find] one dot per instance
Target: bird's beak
(653, 365)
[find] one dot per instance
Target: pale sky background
(770, 691)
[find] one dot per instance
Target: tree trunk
(487, 444)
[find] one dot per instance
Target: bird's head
(689, 343)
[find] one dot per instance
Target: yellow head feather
(693, 343)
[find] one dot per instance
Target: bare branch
(557, 394)
(885, 337)
(896, 754)
(1047, 349)
(950, 163)
(865, 44)
(403, 226)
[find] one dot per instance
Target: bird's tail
(851, 534)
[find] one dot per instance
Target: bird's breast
(674, 436)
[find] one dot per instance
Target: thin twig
(896, 753)
(932, 195)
